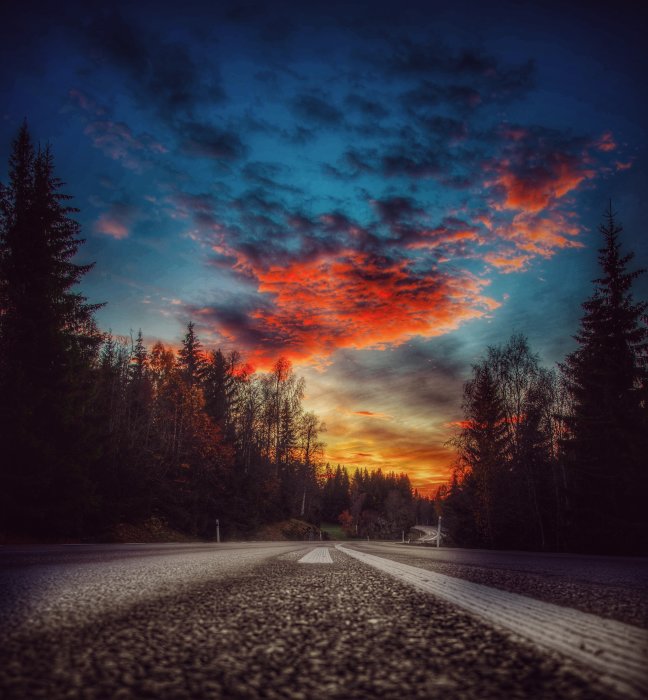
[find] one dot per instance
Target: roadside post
(439, 533)
(218, 530)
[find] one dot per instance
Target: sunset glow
(376, 199)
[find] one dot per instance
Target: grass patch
(334, 531)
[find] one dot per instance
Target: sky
(377, 191)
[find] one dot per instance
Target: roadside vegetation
(106, 438)
(556, 459)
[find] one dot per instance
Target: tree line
(556, 459)
(373, 504)
(99, 430)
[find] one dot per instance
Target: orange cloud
(543, 235)
(535, 187)
(530, 235)
(442, 238)
(110, 226)
(505, 263)
(606, 142)
(355, 300)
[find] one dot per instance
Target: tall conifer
(48, 341)
(606, 376)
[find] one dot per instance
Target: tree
(190, 357)
(526, 392)
(482, 447)
(310, 452)
(48, 345)
(219, 383)
(606, 375)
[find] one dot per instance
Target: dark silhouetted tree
(48, 345)
(606, 446)
(190, 357)
(483, 447)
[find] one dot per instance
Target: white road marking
(319, 555)
(618, 652)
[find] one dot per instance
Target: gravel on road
(620, 601)
(279, 629)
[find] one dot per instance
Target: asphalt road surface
(302, 621)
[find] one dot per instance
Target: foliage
(48, 346)
(559, 462)
(506, 491)
(605, 444)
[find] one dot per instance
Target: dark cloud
(317, 110)
(202, 207)
(430, 373)
(234, 316)
(210, 141)
(371, 109)
(395, 210)
(162, 74)
(536, 166)
(269, 175)
(487, 77)
(299, 135)
(118, 141)
(360, 160)
(445, 129)
(428, 94)
(416, 164)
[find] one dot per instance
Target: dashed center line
(616, 651)
(319, 555)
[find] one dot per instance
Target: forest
(98, 430)
(556, 459)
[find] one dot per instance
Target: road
(302, 621)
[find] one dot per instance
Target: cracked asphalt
(249, 622)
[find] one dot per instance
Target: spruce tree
(483, 448)
(606, 376)
(48, 342)
(190, 357)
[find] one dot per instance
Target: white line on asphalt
(617, 651)
(319, 555)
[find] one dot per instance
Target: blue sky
(376, 190)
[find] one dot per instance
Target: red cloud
(445, 239)
(507, 262)
(371, 414)
(530, 235)
(356, 301)
(534, 187)
(606, 142)
(538, 167)
(543, 235)
(352, 300)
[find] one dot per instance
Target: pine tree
(606, 375)
(219, 387)
(190, 357)
(482, 446)
(48, 342)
